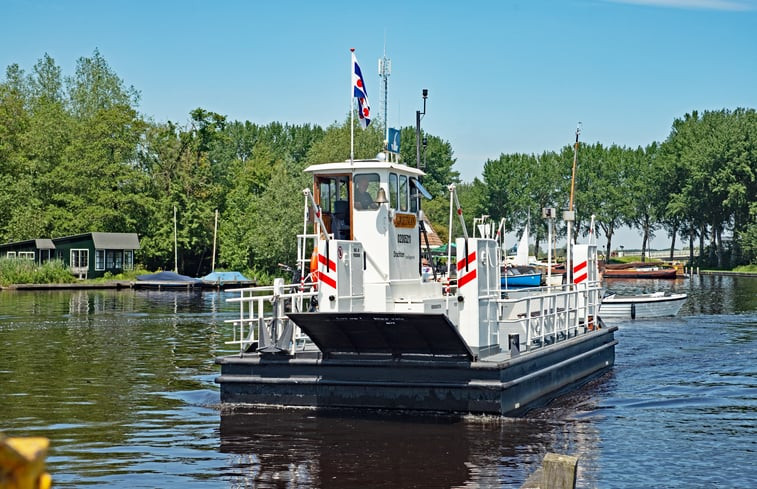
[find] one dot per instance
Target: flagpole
(352, 108)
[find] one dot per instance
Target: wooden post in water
(557, 472)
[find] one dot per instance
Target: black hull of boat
(508, 387)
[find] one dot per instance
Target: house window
(27, 255)
(79, 258)
(11, 254)
(113, 259)
(128, 260)
(99, 260)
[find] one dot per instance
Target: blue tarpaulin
(225, 277)
(166, 277)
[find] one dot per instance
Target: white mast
(352, 107)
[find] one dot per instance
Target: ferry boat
(365, 328)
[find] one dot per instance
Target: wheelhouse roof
(362, 166)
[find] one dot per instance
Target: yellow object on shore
(22, 463)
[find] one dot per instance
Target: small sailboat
(218, 279)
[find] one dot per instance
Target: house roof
(44, 244)
(115, 241)
(433, 239)
(107, 241)
(40, 244)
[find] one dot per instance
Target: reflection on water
(305, 448)
(122, 384)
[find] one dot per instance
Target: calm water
(122, 384)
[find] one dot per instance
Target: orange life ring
(314, 265)
(314, 260)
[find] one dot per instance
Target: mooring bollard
(557, 472)
(22, 463)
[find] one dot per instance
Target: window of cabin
(27, 255)
(128, 259)
(11, 254)
(324, 195)
(365, 190)
(99, 260)
(416, 192)
(393, 189)
(113, 259)
(79, 258)
(403, 193)
(414, 200)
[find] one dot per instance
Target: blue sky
(503, 76)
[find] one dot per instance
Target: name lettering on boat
(404, 220)
(404, 238)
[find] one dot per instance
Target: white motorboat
(641, 306)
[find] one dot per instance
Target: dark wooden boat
(640, 272)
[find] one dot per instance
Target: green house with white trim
(38, 250)
(88, 255)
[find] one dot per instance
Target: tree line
(76, 156)
(699, 186)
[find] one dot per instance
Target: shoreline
(127, 284)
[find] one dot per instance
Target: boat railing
(543, 317)
(263, 317)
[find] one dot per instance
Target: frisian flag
(360, 93)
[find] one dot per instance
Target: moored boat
(225, 280)
(519, 273)
(520, 276)
(364, 328)
(165, 280)
(639, 270)
(642, 306)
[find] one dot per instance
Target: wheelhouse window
(365, 190)
(416, 192)
(332, 196)
(393, 189)
(403, 193)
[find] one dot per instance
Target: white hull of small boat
(641, 306)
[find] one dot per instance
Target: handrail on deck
(552, 314)
(253, 315)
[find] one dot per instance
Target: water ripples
(122, 384)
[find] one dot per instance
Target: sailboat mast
(573, 174)
(215, 232)
(570, 214)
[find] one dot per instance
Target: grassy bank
(22, 271)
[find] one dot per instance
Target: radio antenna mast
(384, 70)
